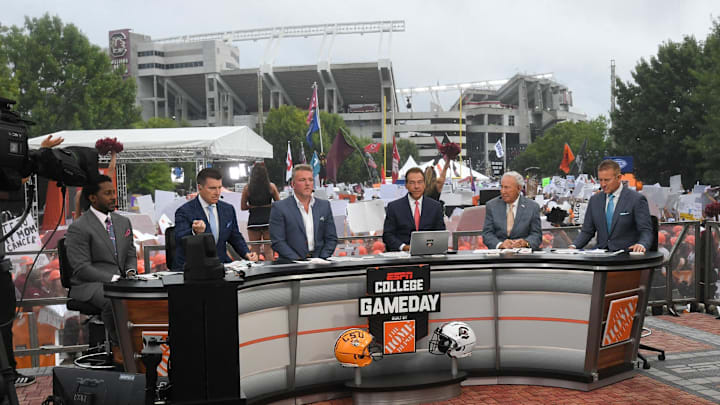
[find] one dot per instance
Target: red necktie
(417, 216)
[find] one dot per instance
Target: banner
(625, 162)
(25, 239)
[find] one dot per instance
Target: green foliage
(63, 82)
(287, 123)
(659, 118)
(547, 151)
(145, 178)
(707, 145)
(8, 80)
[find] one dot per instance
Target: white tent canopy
(462, 169)
(409, 164)
(174, 144)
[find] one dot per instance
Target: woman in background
(434, 184)
(257, 197)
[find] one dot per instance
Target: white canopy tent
(462, 169)
(409, 164)
(174, 144)
(192, 144)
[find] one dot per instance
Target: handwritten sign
(26, 238)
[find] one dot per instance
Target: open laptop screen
(429, 242)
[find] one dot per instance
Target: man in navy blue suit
(619, 216)
(411, 213)
(207, 213)
(302, 226)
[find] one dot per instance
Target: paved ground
(689, 375)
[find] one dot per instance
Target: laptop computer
(429, 242)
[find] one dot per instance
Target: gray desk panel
(555, 280)
(264, 297)
(543, 358)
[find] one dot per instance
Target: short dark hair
(93, 185)
(609, 164)
(415, 170)
(206, 173)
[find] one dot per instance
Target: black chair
(98, 340)
(170, 247)
(646, 331)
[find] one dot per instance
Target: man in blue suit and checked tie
(207, 213)
(619, 216)
(301, 226)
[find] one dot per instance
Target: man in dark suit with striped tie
(411, 213)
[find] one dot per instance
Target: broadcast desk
(540, 319)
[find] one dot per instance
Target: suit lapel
(410, 212)
(316, 219)
(503, 217)
(519, 213)
(619, 206)
(295, 212)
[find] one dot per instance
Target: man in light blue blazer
(207, 214)
(302, 226)
(619, 216)
(512, 211)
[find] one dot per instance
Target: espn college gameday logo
(397, 306)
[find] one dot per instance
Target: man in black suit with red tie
(411, 213)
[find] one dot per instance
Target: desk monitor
(487, 194)
(429, 242)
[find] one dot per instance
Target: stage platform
(690, 374)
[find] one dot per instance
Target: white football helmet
(456, 339)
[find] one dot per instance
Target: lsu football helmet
(356, 348)
(456, 339)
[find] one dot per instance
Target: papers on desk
(395, 254)
(241, 265)
(313, 260)
(487, 251)
(340, 259)
(156, 276)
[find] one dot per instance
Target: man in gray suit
(100, 249)
(511, 220)
(619, 216)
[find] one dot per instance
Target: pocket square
(322, 219)
(227, 225)
(127, 233)
(624, 213)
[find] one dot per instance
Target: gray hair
(517, 176)
(297, 168)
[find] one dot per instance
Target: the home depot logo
(399, 337)
(621, 315)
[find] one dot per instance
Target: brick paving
(690, 375)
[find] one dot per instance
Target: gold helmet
(356, 348)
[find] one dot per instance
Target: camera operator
(8, 300)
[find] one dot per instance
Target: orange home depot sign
(621, 315)
(399, 337)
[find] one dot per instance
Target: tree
(547, 151)
(145, 178)
(287, 123)
(8, 80)
(707, 146)
(63, 81)
(658, 117)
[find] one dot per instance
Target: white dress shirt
(307, 217)
(616, 193)
(205, 206)
(100, 216)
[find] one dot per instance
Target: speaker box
(75, 386)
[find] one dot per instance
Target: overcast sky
(445, 42)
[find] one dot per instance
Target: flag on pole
(288, 164)
(313, 118)
(373, 147)
(499, 151)
(472, 179)
(579, 159)
(315, 163)
(568, 157)
(339, 150)
(395, 162)
(303, 159)
(371, 161)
